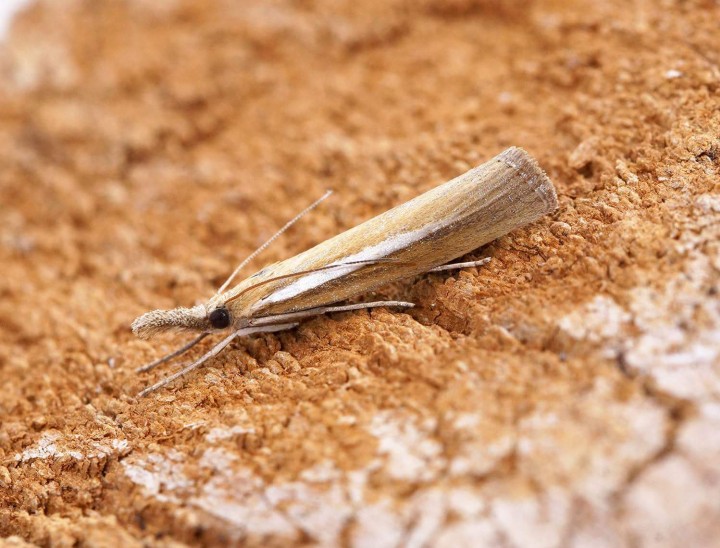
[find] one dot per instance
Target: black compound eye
(219, 318)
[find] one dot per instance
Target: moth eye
(219, 318)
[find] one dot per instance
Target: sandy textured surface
(568, 394)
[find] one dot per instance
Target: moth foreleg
(310, 312)
(214, 351)
(180, 351)
(454, 266)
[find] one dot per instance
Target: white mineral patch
(534, 521)
(218, 434)
(319, 511)
(243, 505)
(623, 434)
(693, 497)
(595, 527)
(50, 446)
(242, 499)
(708, 203)
(480, 532)
(465, 502)
(160, 476)
(684, 362)
(324, 472)
(103, 449)
(482, 449)
(43, 449)
(599, 320)
(239, 497)
(699, 438)
(217, 459)
(377, 525)
(408, 450)
(427, 511)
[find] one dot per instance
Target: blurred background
(7, 10)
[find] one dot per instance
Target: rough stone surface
(567, 394)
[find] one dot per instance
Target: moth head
(203, 318)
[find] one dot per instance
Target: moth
(422, 235)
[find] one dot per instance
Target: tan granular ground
(568, 394)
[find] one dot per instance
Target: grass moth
(422, 235)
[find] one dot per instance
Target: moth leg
(180, 351)
(269, 320)
(453, 266)
(214, 351)
(361, 306)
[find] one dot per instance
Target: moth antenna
(319, 269)
(274, 237)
